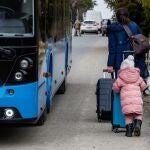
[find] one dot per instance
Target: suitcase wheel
(115, 129)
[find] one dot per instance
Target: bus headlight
(9, 113)
(24, 64)
(18, 76)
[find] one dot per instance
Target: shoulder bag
(139, 42)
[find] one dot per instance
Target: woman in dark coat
(119, 45)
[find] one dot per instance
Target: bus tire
(42, 118)
(62, 88)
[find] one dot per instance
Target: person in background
(77, 26)
(130, 85)
(119, 46)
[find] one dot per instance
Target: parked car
(89, 26)
(95, 16)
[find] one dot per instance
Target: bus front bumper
(20, 105)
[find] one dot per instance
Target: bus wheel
(42, 118)
(62, 88)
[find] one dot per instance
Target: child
(130, 85)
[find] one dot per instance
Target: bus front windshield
(16, 18)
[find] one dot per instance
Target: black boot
(129, 130)
(137, 127)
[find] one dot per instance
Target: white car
(89, 26)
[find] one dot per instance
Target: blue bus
(35, 57)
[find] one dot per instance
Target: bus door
(59, 47)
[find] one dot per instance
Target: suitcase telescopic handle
(127, 51)
(106, 71)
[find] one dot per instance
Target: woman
(119, 45)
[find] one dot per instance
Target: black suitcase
(104, 96)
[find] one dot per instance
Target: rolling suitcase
(118, 120)
(104, 96)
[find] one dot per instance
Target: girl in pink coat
(130, 85)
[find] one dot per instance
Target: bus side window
(42, 23)
(59, 20)
(50, 18)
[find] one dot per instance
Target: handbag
(139, 42)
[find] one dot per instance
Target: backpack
(139, 42)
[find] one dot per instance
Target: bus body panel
(49, 79)
(42, 96)
(58, 72)
(69, 61)
(24, 99)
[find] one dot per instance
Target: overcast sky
(102, 6)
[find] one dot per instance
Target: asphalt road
(72, 123)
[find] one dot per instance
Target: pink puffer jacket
(130, 84)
